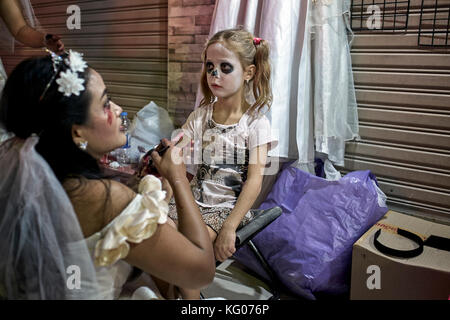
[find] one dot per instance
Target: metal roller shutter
(403, 94)
(125, 41)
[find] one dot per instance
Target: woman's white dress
(108, 247)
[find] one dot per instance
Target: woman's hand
(167, 188)
(224, 246)
(170, 165)
(54, 43)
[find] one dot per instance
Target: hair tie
(256, 41)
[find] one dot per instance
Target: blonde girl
(231, 134)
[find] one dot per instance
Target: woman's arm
(224, 246)
(11, 13)
(181, 257)
(185, 257)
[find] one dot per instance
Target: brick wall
(188, 28)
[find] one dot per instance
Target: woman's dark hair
(24, 113)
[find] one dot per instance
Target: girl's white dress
(219, 160)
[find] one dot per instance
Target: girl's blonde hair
(249, 51)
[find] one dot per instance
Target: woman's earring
(83, 145)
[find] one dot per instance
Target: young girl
(232, 132)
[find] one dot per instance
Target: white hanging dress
(2, 76)
(281, 23)
(327, 100)
(314, 109)
(4, 135)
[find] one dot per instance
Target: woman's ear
(249, 72)
(77, 134)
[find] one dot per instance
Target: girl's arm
(224, 246)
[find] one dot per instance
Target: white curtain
(314, 106)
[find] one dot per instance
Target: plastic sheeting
(150, 124)
(309, 246)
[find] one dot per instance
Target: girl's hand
(170, 165)
(224, 246)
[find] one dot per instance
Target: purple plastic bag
(309, 246)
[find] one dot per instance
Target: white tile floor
(232, 282)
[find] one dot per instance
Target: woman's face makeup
(224, 71)
(102, 130)
(107, 109)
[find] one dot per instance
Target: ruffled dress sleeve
(137, 222)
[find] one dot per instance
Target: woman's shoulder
(97, 201)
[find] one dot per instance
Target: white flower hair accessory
(69, 83)
(75, 61)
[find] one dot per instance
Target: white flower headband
(68, 81)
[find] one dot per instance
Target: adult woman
(66, 103)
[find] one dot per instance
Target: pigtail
(262, 90)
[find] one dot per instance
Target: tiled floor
(232, 282)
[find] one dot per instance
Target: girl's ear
(249, 72)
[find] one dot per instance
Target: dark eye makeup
(209, 67)
(225, 67)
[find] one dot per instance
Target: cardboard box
(379, 276)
